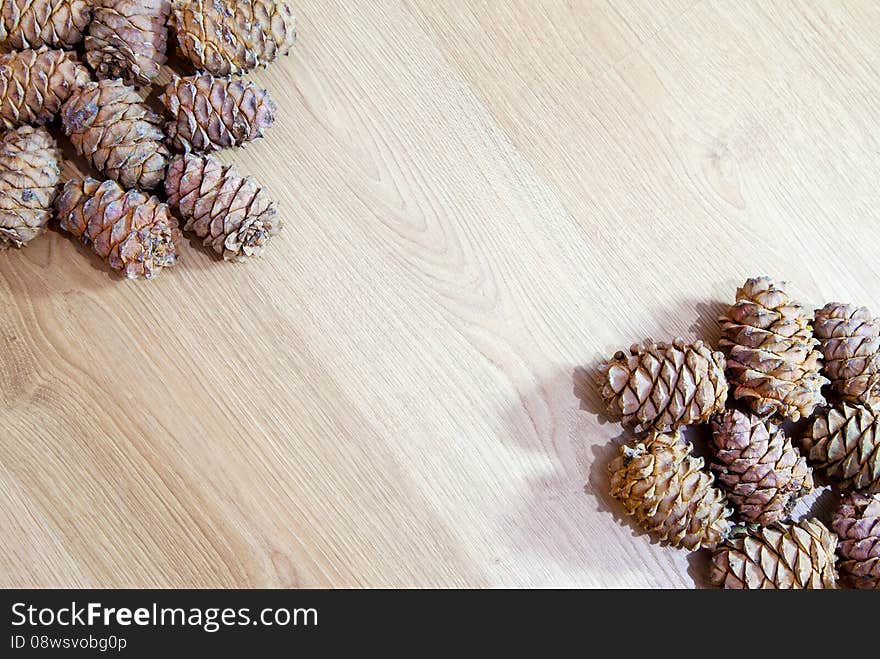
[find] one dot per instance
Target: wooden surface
(483, 199)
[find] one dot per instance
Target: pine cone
(663, 486)
(228, 37)
(132, 232)
(771, 358)
(844, 442)
(128, 39)
(34, 84)
(857, 522)
(781, 556)
(232, 214)
(110, 126)
(211, 113)
(663, 387)
(850, 340)
(758, 468)
(33, 23)
(29, 176)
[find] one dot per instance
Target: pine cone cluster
(109, 123)
(741, 507)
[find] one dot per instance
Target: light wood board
(483, 199)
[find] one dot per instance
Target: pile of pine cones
(777, 359)
(124, 44)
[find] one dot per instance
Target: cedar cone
(758, 468)
(211, 113)
(781, 556)
(33, 23)
(110, 126)
(850, 340)
(771, 358)
(664, 487)
(232, 214)
(228, 37)
(663, 387)
(128, 39)
(34, 84)
(844, 441)
(29, 176)
(132, 232)
(857, 523)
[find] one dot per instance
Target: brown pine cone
(664, 487)
(771, 360)
(132, 232)
(844, 441)
(781, 556)
(29, 177)
(128, 39)
(110, 126)
(850, 340)
(232, 214)
(34, 84)
(34, 23)
(229, 37)
(758, 468)
(857, 523)
(663, 387)
(211, 113)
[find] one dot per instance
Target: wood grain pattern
(483, 200)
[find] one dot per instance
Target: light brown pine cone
(857, 523)
(134, 233)
(771, 358)
(850, 340)
(664, 487)
(229, 37)
(110, 126)
(209, 113)
(758, 468)
(844, 442)
(29, 177)
(34, 84)
(28, 24)
(231, 213)
(663, 387)
(781, 556)
(128, 39)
